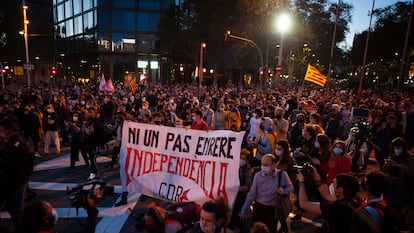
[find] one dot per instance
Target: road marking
(64, 162)
(112, 218)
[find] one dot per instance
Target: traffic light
(52, 72)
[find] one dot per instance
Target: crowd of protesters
(334, 131)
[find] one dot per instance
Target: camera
(79, 193)
(305, 168)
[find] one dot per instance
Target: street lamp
(26, 42)
(283, 25)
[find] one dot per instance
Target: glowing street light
(26, 41)
(283, 24)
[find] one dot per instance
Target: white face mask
(194, 119)
(278, 152)
(266, 170)
(242, 162)
(332, 189)
(317, 145)
(398, 151)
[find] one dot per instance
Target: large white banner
(177, 164)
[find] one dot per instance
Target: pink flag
(109, 86)
(102, 84)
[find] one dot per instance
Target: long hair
(286, 150)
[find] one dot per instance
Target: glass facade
(108, 29)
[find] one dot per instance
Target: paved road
(50, 181)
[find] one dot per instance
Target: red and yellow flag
(315, 76)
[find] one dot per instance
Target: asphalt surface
(50, 181)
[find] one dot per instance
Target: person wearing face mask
(280, 124)
(145, 110)
(16, 167)
(343, 199)
(338, 162)
(262, 143)
(400, 168)
(295, 132)
(264, 191)
(39, 217)
(220, 117)
(285, 162)
(245, 178)
(198, 122)
(385, 134)
(50, 127)
(78, 143)
(254, 124)
(208, 115)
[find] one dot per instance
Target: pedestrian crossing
(111, 218)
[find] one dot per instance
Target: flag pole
(328, 76)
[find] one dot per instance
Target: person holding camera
(337, 212)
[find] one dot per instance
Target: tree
(185, 26)
(390, 26)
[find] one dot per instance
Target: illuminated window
(68, 9)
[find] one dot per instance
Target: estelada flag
(315, 76)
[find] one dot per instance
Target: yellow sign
(91, 74)
(18, 70)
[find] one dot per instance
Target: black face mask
(300, 120)
(157, 122)
(262, 127)
(278, 117)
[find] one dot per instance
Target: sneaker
(92, 176)
(37, 155)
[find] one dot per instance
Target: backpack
(184, 212)
(379, 218)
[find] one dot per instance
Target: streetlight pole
(283, 24)
(279, 62)
(26, 42)
(200, 68)
(228, 34)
